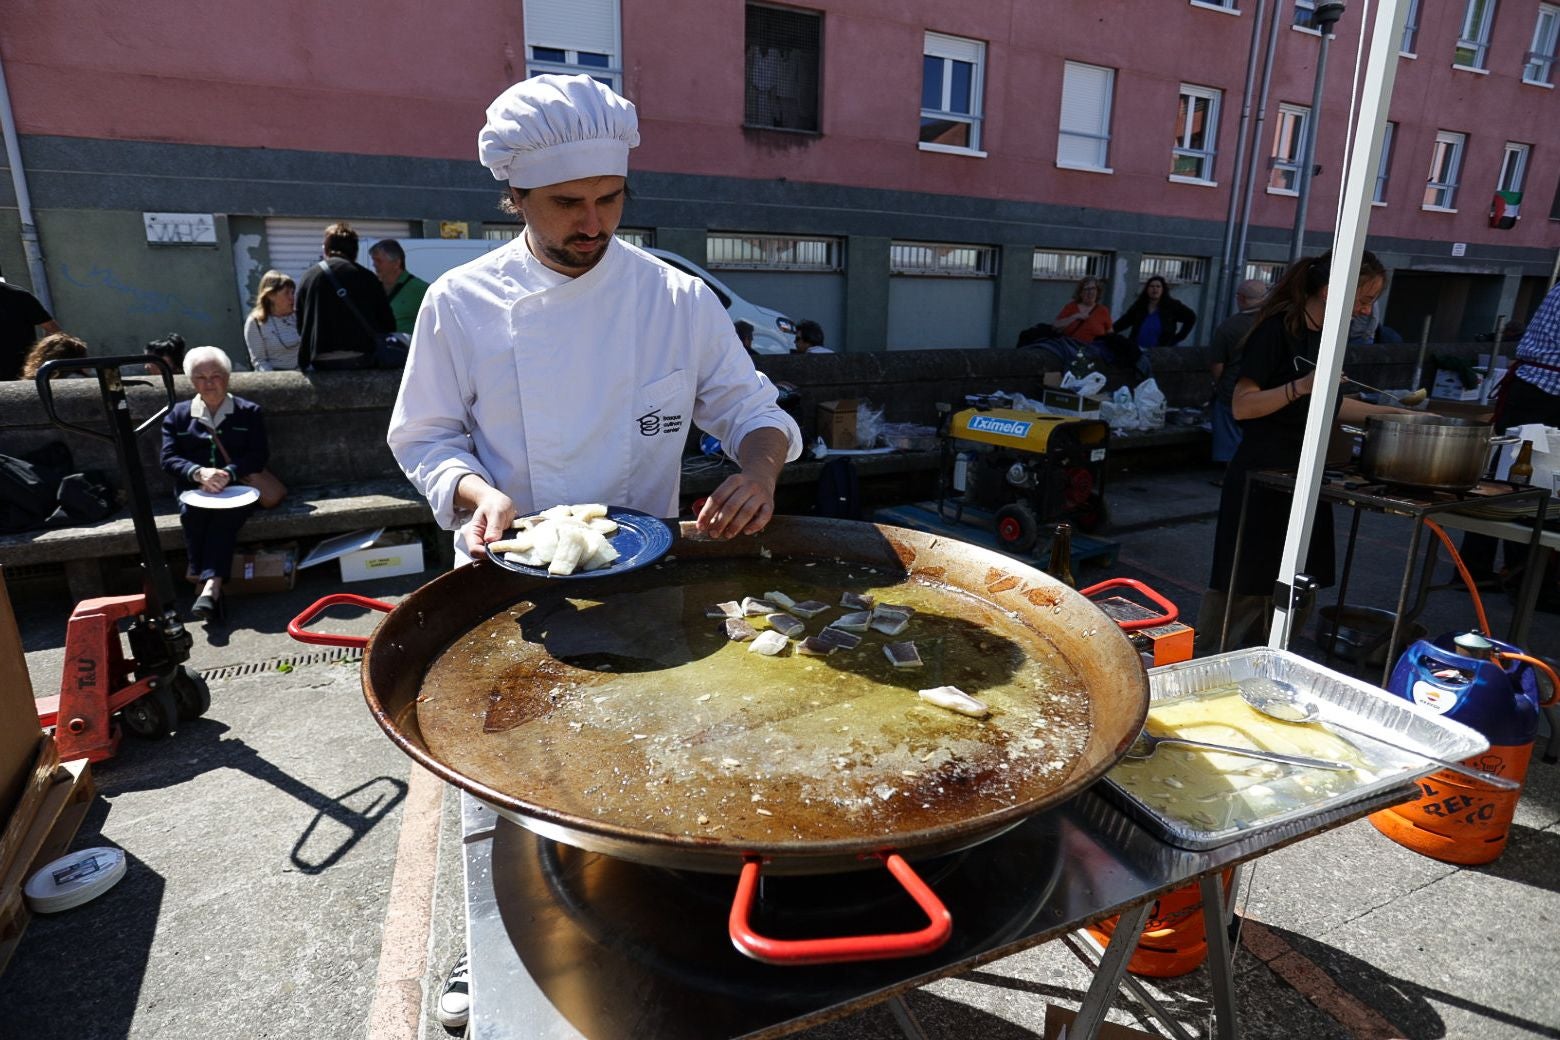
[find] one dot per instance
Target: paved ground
(291, 877)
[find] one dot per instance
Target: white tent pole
(1359, 178)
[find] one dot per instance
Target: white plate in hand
(234, 496)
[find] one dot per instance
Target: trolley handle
(109, 376)
(1171, 611)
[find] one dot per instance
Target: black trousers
(211, 538)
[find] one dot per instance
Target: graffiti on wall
(142, 301)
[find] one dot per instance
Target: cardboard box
(1449, 387)
(1057, 1019)
(1067, 402)
(837, 422)
(20, 734)
(392, 553)
(263, 570)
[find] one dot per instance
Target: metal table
(558, 948)
(1351, 489)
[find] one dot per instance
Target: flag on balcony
(1504, 209)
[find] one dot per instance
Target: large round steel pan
(1055, 619)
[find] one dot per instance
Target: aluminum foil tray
(1230, 804)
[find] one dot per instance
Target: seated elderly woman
(212, 442)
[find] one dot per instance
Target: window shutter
(293, 243)
(574, 25)
(1085, 110)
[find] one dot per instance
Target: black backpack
(84, 498)
(27, 497)
(839, 490)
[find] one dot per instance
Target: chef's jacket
(565, 390)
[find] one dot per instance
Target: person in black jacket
(342, 311)
(1156, 319)
(212, 442)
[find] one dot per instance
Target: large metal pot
(1048, 618)
(1427, 451)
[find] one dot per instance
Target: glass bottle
(1059, 566)
(1522, 469)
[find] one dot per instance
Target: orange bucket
(1175, 937)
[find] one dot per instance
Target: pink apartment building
(910, 174)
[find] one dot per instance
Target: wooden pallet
(978, 527)
(39, 830)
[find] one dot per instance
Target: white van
(427, 258)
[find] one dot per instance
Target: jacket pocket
(662, 410)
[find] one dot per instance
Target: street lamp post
(1325, 17)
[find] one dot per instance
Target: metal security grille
(1057, 265)
(294, 243)
(1264, 271)
(780, 81)
(772, 253)
(941, 260)
(1176, 270)
(644, 238)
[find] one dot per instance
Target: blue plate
(640, 540)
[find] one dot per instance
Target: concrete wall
(939, 313)
(798, 296)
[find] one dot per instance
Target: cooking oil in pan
(632, 708)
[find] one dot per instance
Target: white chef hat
(550, 129)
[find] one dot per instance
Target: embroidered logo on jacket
(653, 423)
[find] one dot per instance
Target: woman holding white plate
(211, 443)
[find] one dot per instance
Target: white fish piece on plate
(890, 624)
(545, 542)
(589, 511)
(752, 606)
(739, 631)
(768, 643)
(602, 525)
(730, 608)
(807, 608)
(786, 625)
(529, 558)
(780, 600)
(520, 542)
(601, 556)
(570, 551)
(855, 600)
(902, 655)
(816, 646)
(856, 622)
(955, 699)
(557, 513)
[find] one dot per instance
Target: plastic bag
(1120, 411)
(1150, 401)
(869, 424)
(1087, 385)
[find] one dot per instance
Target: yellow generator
(1028, 468)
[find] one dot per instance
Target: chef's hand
(743, 504)
(492, 513)
(212, 479)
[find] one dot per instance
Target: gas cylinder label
(1429, 695)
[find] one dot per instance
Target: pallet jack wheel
(153, 716)
(1017, 527)
(191, 693)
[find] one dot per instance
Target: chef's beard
(575, 259)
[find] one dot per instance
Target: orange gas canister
(1455, 819)
(1175, 936)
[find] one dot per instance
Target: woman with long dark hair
(1156, 319)
(1277, 372)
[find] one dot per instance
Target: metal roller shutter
(293, 243)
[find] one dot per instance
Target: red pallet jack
(152, 690)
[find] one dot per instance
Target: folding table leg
(1220, 957)
(905, 1018)
(1107, 978)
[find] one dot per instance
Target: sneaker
(454, 1005)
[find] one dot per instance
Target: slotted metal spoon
(1147, 743)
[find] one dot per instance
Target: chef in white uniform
(567, 366)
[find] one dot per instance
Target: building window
(1265, 271)
(1287, 138)
(644, 238)
(1222, 5)
(736, 252)
(1176, 270)
(938, 259)
(1445, 168)
(1541, 59)
(1084, 140)
(503, 232)
(1305, 13)
(1411, 30)
(1513, 167)
(574, 37)
(1385, 165)
(780, 72)
(1474, 43)
(952, 71)
(1196, 130)
(1068, 265)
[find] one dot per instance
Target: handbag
(390, 348)
(271, 489)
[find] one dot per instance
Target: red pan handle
(295, 627)
(1171, 610)
(846, 947)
